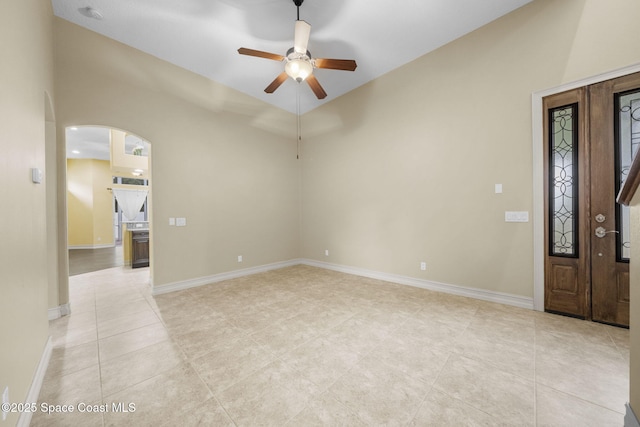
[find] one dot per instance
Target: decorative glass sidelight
(563, 181)
(627, 136)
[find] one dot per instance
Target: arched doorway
(105, 165)
(56, 241)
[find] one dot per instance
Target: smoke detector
(91, 12)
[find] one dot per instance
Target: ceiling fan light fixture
(298, 69)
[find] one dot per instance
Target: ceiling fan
(299, 64)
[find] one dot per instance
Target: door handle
(601, 232)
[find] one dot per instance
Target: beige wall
(26, 74)
(89, 203)
(225, 161)
(402, 170)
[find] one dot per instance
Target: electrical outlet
(423, 266)
(510, 216)
(239, 258)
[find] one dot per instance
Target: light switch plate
(498, 188)
(516, 216)
(181, 222)
(172, 221)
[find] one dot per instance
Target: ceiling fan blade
(301, 37)
(336, 64)
(315, 86)
(260, 54)
(276, 83)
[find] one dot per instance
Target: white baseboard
(36, 384)
(481, 294)
(200, 281)
(630, 419)
(59, 311)
(108, 245)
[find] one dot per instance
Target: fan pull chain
(298, 123)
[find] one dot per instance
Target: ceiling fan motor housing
(292, 54)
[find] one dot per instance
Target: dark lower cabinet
(139, 249)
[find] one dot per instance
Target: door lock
(601, 232)
(600, 218)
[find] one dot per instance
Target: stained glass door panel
(591, 137)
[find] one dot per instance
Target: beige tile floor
(305, 346)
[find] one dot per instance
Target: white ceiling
(204, 35)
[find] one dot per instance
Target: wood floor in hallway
(88, 260)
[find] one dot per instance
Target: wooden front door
(591, 135)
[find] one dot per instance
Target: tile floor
(303, 346)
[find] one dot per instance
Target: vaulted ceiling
(204, 35)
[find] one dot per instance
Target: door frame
(538, 214)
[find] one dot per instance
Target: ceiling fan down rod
(298, 3)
